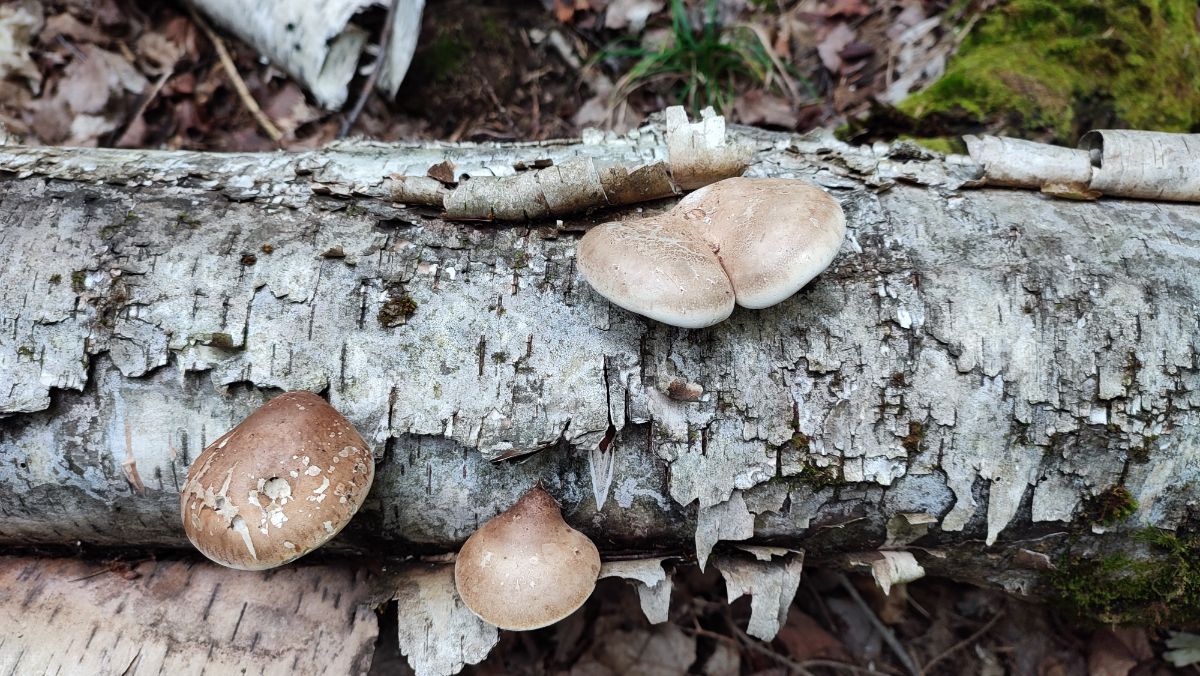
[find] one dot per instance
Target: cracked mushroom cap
(277, 486)
(749, 241)
(659, 268)
(773, 235)
(526, 568)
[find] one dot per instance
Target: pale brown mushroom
(277, 486)
(753, 241)
(526, 568)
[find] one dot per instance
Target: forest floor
(140, 74)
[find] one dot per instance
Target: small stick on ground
(238, 83)
(906, 660)
(385, 42)
(963, 643)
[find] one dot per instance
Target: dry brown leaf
(1115, 652)
(89, 83)
(158, 53)
(804, 639)
(67, 26)
(663, 650)
(831, 46)
(849, 8)
(759, 108)
(289, 108)
(19, 22)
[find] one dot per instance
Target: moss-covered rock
(1060, 65)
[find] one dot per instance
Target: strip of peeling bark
(979, 366)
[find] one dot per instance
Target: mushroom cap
(657, 268)
(773, 235)
(749, 241)
(526, 568)
(277, 486)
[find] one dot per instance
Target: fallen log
(989, 380)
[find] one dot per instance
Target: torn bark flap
(1116, 162)
(653, 584)
(437, 633)
(771, 584)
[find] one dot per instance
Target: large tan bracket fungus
(526, 568)
(749, 241)
(277, 486)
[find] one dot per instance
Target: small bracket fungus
(749, 241)
(277, 486)
(526, 568)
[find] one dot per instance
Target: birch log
(973, 371)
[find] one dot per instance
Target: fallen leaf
(849, 8)
(289, 109)
(804, 639)
(759, 108)
(564, 11)
(67, 26)
(89, 83)
(663, 650)
(1108, 655)
(19, 22)
(724, 661)
(830, 48)
(158, 53)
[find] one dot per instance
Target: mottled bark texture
(975, 378)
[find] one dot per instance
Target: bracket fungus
(277, 486)
(747, 241)
(526, 568)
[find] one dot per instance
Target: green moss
(25, 351)
(355, 210)
(1030, 60)
(1161, 589)
(444, 56)
(56, 278)
(397, 311)
(499, 357)
(185, 220)
(945, 145)
(520, 259)
(819, 477)
(802, 441)
(79, 281)
(1111, 506)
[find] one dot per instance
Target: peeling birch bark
(1114, 162)
(174, 617)
(652, 582)
(697, 154)
(438, 634)
(770, 584)
(317, 43)
(986, 357)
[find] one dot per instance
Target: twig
(238, 83)
(906, 660)
(385, 42)
(963, 643)
(147, 99)
(796, 667)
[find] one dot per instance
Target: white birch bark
(991, 358)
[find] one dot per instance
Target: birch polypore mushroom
(277, 486)
(526, 568)
(753, 242)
